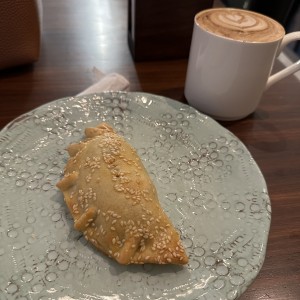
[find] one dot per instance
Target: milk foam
(238, 24)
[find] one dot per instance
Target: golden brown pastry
(114, 202)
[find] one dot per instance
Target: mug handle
(290, 37)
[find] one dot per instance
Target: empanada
(114, 202)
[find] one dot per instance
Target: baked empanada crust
(114, 202)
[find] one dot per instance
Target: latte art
(239, 21)
(238, 24)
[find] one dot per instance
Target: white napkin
(106, 82)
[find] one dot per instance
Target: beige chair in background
(20, 32)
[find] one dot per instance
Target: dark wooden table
(79, 35)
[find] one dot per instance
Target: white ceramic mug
(226, 77)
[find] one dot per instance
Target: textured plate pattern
(207, 182)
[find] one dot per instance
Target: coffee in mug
(240, 25)
(231, 58)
